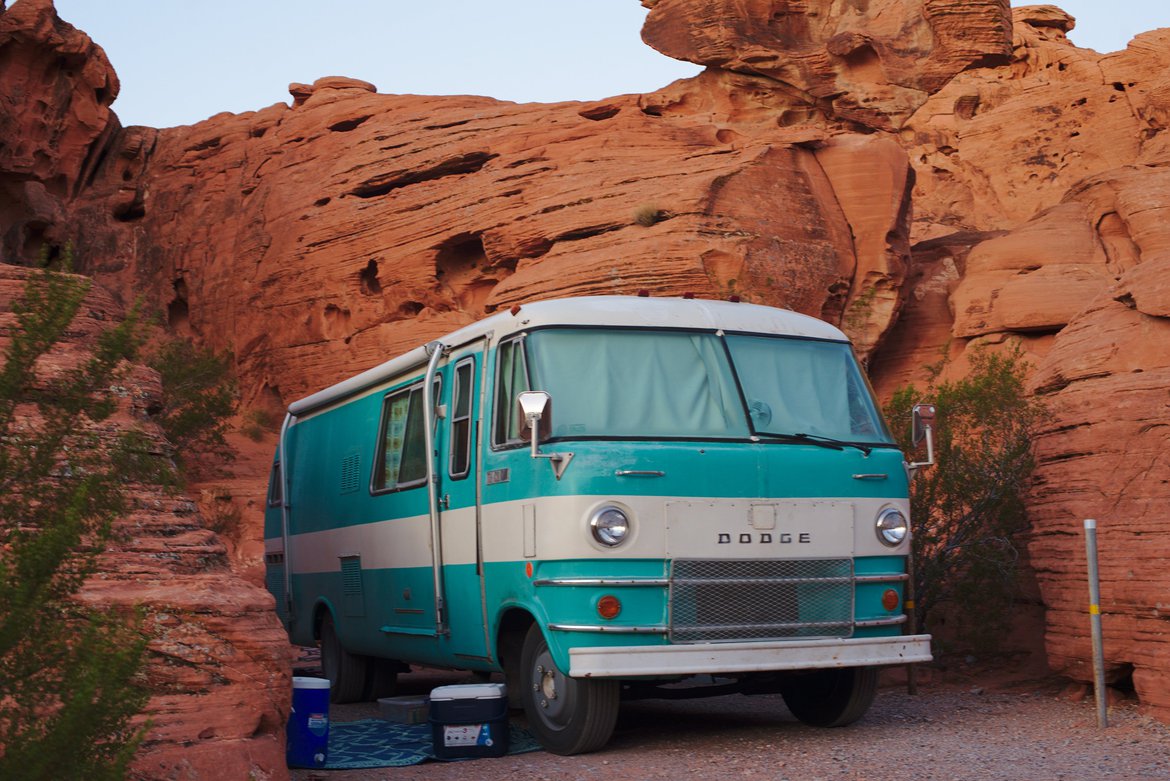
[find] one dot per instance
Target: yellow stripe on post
(1094, 610)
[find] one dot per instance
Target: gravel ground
(958, 730)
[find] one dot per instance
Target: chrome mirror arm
(533, 405)
(928, 430)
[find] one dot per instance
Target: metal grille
(352, 599)
(727, 600)
(350, 477)
(351, 576)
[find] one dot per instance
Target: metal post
(435, 350)
(911, 608)
(1095, 621)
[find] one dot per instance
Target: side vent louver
(352, 597)
(350, 473)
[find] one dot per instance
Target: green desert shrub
(199, 398)
(69, 673)
(968, 509)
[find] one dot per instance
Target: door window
(460, 460)
(511, 379)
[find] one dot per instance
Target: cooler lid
(469, 691)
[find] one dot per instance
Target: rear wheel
(567, 715)
(381, 678)
(831, 698)
(346, 672)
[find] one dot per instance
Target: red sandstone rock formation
(54, 121)
(317, 239)
(1062, 155)
(216, 655)
(325, 237)
(872, 63)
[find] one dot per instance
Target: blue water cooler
(308, 724)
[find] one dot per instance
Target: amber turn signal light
(890, 600)
(609, 606)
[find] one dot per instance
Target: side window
(511, 378)
(402, 450)
(275, 486)
(460, 461)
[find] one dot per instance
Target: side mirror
(923, 422)
(534, 410)
(922, 428)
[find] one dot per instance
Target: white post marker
(1095, 622)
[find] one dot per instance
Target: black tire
(346, 672)
(830, 698)
(567, 715)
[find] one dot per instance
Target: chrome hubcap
(548, 690)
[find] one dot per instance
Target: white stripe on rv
(661, 527)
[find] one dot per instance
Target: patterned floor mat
(380, 743)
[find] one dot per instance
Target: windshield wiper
(815, 439)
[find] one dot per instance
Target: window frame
(518, 342)
(722, 334)
(276, 479)
(468, 445)
(379, 461)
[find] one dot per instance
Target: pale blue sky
(181, 61)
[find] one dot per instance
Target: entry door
(459, 504)
(404, 558)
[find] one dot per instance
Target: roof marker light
(515, 310)
(643, 293)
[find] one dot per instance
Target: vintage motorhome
(599, 497)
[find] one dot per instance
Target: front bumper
(699, 658)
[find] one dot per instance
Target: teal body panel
(381, 629)
(757, 470)
(330, 457)
(378, 630)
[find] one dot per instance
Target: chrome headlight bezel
(892, 527)
(610, 526)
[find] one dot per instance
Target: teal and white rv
(601, 497)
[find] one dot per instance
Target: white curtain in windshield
(636, 383)
(796, 386)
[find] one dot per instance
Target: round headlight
(892, 527)
(609, 526)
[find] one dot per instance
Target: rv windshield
(625, 383)
(634, 383)
(800, 386)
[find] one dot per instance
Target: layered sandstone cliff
(926, 174)
(217, 657)
(1040, 220)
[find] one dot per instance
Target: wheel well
(319, 614)
(510, 636)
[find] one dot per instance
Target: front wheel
(567, 715)
(830, 698)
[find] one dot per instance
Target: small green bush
(199, 396)
(648, 214)
(257, 422)
(968, 509)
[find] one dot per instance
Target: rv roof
(620, 311)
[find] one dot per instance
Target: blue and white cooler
(308, 724)
(470, 721)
